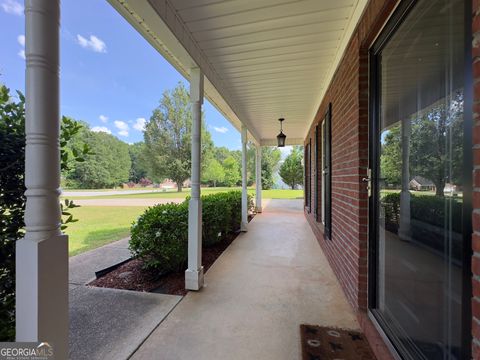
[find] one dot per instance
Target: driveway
(107, 192)
(125, 202)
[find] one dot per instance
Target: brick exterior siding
(476, 181)
(348, 93)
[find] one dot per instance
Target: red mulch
(132, 276)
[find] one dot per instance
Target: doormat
(329, 343)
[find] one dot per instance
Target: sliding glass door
(419, 188)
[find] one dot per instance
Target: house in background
(419, 183)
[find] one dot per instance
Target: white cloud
(21, 39)
(101, 129)
(122, 125)
(103, 118)
(93, 43)
(12, 7)
(222, 129)
(140, 124)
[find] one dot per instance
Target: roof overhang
(261, 59)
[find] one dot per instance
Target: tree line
(435, 144)
(165, 153)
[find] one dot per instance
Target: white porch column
(258, 178)
(42, 256)
(194, 273)
(244, 180)
(405, 197)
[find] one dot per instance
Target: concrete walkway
(109, 323)
(82, 267)
(269, 281)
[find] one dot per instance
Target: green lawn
(266, 194)
(280, 194)
(99, 225)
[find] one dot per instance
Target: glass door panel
(419, 181)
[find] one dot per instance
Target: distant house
(168, 184)
(419, 183)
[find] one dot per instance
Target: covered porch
(315, 63)
(268, 281)
(242, 76)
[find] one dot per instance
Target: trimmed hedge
(160, 235)
(427, 208)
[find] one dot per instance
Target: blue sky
(110, 76)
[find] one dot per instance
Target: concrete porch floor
(269, 281)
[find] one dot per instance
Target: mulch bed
(329, 343)
(132, 276)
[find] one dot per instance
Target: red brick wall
(476, 181)
(348, 93)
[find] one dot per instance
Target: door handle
(368, 180)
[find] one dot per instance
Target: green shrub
(12, 189)
(12, 202)
(427, 208)
(391, 206)
(160, 235)
(222, 214)
(216, 212)
(432, 210)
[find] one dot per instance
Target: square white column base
(258, 209)
(244, 227)
(42, 292)
(194, 279)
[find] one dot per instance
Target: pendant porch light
(281, 137)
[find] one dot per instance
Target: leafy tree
(436, 143)
(108, 167)
(232, 171)
(12, 202)
(436, 149)
(137, 156)
(291, 170)
(251, 163)
(270, 164)
(214, 172)
(168, 138)
(221, 153)
(270, 161)
(391, 157)
(12, 193)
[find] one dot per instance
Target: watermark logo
(26, 351)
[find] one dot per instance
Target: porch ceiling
(262, 59)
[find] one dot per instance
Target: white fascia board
(158, 23)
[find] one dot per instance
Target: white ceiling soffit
(262, 59)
